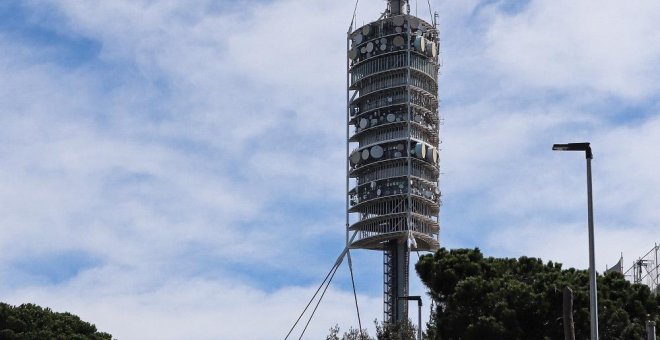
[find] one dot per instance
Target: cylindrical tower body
(393, 140)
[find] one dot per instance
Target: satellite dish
(420, 44)
(398, 20)
(353, 53)
(365, 154)
(420, 150)
(366, 30)
(355, 157)
(398, 29)
(398, 41)
(363, 50)
(373, 185)
(397, 154)
(399, 147)
(434, 50)
(383, 47)
(377, 152)
(383, 41)
(391, 117)
(364, 123)
(378, 192)
(435, 155)
(413, 22)
(374, 121)
(357, 38)
(370, 47)
(429, 153)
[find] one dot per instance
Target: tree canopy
(403, 330)
(502, 298)
(31, 322)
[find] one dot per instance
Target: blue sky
(175, 169)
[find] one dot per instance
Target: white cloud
(604, 46)
(198, 138)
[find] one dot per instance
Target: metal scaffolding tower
(393, 196)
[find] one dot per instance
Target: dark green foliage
(384, 331)
(352, 334)
(494, 298)
(31, 322)
(396, 331)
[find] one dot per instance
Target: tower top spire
(396, 7)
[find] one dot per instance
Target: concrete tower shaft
(393, 137)
(396, 7)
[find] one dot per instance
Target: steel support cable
(430, 11)
(354, 13)
(310, 301)
(357, 308)
(340, 258)
(318, 302)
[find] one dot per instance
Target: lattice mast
(393, 197)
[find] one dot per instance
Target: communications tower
(393, 198)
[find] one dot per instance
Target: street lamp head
(574, 147)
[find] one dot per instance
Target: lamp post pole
(592, 259)
(593, 305)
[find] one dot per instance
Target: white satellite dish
(355, 157)
(420, 150)
(370, 47)
(435, 155)
(363, 50)
(391, 117)
(420, 44)
(366, 30)
(429, 153)
(377, 152)
(357, 38)
(398, 29)
(383, 47)
(365, 154)
(383, 41)
(364, 123)
(353, 53)
(434, 50)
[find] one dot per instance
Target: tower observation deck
(393, 197)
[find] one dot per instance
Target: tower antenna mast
(393, 195)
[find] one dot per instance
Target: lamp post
(593, 306)
(419, 312)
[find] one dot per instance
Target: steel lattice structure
(392, 144)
